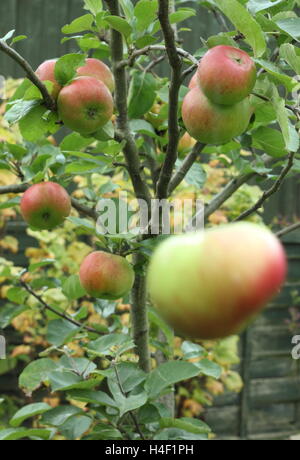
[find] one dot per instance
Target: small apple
(44, 206)
(85, 105)
(106, 276)
(186, 143)
(210, 284)
(226, 74)
(194, 81)
(45, 72)
(211, 123)
(97, 69)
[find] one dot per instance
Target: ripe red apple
(44, 206)
(85, 105)
(210, 284)
(97, 69)
(106, 276)
(45, 72)
(211, 123)
(186, 143)
(193, 81)
(226, 74)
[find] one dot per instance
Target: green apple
(44, 206)
(106, 276)
(212, 123)
(226, 74)
(85, 105)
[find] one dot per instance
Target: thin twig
(173, 128)
(268, 193)
(288, 229)
(53, 310)
(147, 49)
(185, 167)
(48, 100)
(295, 110)
(122, 125)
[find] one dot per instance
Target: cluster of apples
(103, 275)
(217, 108)
(86, 103)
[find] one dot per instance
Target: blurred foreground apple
(210, 284)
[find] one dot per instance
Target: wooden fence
(269, 405)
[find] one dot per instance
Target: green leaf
(106, 132)
(192, 350)
(181, 15)
(291, 26)
(168, 374)
(175, 434)
(79, 24)
(28, 411)
(130, 375)
(92, 397)
(119, 24)
(196, 176)
(43, 263)
(143, 127)
(269, 140)
(108, 344)
(10, 203)
(187, 424)
(34, 126)
(290, 135)
(290, 83)
(245, 23)
(75, 141)
(66, 66)
(75, 427)
(146, 12)
(19, 110)
(142, 94)
(94, 6)
(255, 6)
(288, 53)
(209, 368)
(36, 373)
(64, 380)
(126, 404)
(8, 312)
(59, 415)
(17, 295)
(61, 331)
(13, 434)
(18, 39)
(72, 288)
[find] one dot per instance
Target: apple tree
(126, 127)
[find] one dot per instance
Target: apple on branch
(44, 206)
(106, 276)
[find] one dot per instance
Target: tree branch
(173, 129)
(288, 229)
(147, 49)
(123, 130)
(185, 167)
(53, 310)
(267, 193)
(139, 316)
(21, 188)
(48, 100)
